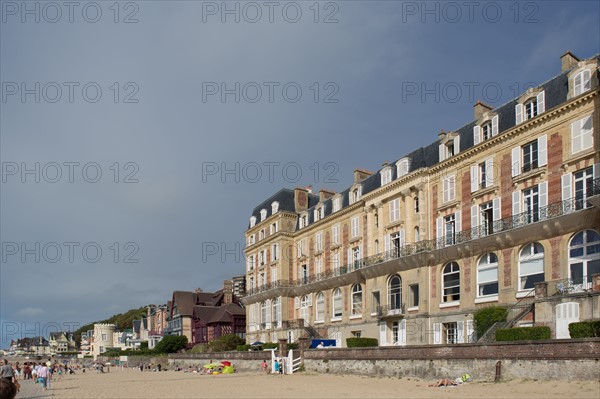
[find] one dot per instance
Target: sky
(137, 137)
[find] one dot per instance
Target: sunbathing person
(444, 382)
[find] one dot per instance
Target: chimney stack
(361, 174)
(325, 195)
(227, 292)
(300, 199)
(568, 60)
(480, 109)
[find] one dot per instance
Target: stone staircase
(514, 314)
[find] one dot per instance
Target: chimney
(361, 174)
(325, 194)
(442, 134)
(300, 199)
(227, 292)
(568, 60)
(309, 189)
(480, 109)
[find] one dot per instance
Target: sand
(131, 383)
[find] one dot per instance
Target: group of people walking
(39, 372)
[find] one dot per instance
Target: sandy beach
(131, 383)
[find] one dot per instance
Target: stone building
(501, 211)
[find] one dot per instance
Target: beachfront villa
(501, 211)
(61, 342)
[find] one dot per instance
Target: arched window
(395, 292)
(277, 312)
(337, 303)
(531, 266)
(357, 300)
(304, 304)
(584, 257)
(451, 282)
(487, 275)
(320, 316)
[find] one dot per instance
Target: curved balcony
(552, 220)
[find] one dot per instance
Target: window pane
(488, 289)
(532, 266)
(488, 275)
(528, 282)
(593, 268)
(577, 273)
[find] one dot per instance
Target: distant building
(103, 338)
(239, 286)
(62, 342)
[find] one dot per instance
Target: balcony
(391, 311)
(519, 229)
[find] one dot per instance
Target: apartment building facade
(503, 211)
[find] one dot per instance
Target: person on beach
(8, 390)
(276, 367)
(265, 367)
(44, 376)
(6, 371)
(444, 382)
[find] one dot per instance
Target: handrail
(550, 211)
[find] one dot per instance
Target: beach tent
(228, 370)
(211, 366)
(226, 363)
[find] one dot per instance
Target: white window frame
(584, 84)
(337, 204)
(585, 259)
(319, 242)
(403, 167)
(450, 268)
(386, 175)
(275, 251)
(253, 221)
(263, 214)
(337, 304)
(528, 254)
(356, 300)
(274, 207)
(487, 263)
(448, 189)
(335, 234)
(320, 308)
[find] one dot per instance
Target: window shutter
(437, 333)
(474, 178)
(382, 333)
(577, 81)
(452, 188)
(542, 150)
(470, 331)
(497, 209)
(445, 190)
(489, 171)
(402, 332)
(518, 113)
(516, 161)
(576, 137)
(475, 221)
(543, 190)
(439, 227)
(309, 299)
(387, 243)
(476, 135)
(442, 152)
(402, 237)
(565, 181)
(516, 202)
(297, 302)
(587, 133)
(596, 170)
(458, 222)
(349, 261)
(460, 332)
(541, 102)
(587, 81)
(456, 145)
(495, 125)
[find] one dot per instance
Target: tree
(171, 344)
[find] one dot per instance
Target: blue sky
(135, 93)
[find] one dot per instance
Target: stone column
(541, 289)
(283, 347)
(303, 344)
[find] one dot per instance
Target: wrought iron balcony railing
(391, 310)
(551, 211)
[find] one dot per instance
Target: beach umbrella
(257, 343)
(211, 366)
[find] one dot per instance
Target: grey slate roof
(555, 92)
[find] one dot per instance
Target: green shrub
(486, 317)
(199, 348)
(361, 342)
(293, 345)
(228, 342)
(585, 329)
(271, 345)
(171, 344)
(522, 333)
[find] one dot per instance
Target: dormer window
(303, 221)
(355, 194)
(582, 82)
(485, 130)
(386, 175)
(274, 207)
(337, 204)
(403, 166)
(531, 106)
(263, 214)
(252, 221)
(319, 213)
(449, 145)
